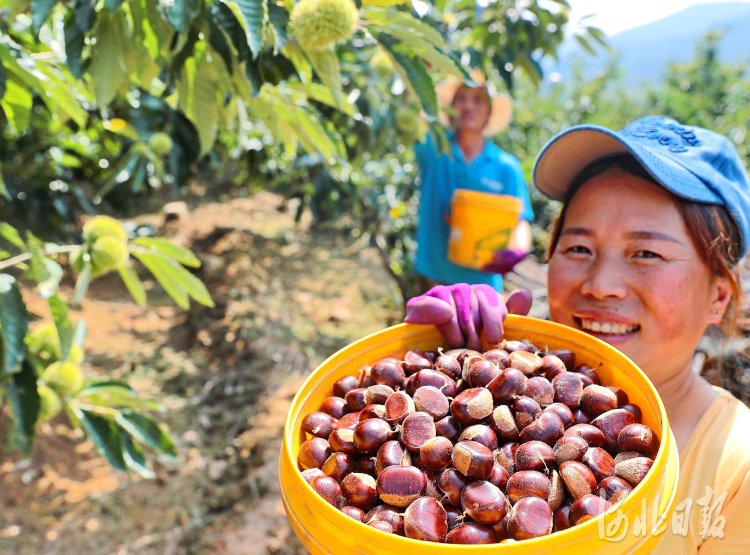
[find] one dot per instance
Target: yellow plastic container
(481, 224)
(325, 530)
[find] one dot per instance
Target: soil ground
(285, 299)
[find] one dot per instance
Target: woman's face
(472, 107)
(626, 271)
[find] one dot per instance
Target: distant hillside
(645, 51)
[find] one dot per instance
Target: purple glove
(460, 311)
(503, 261)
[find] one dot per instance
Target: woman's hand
(461, 311)
(503, 261)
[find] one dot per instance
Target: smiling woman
(644, 256)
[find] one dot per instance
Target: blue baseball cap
(691, 162)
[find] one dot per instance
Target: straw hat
(502, 106)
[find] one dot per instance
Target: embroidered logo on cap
(654, 130)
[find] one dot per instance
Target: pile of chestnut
(466, 447)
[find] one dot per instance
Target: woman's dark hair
(715, 235)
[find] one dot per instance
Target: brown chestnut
(531, 518)
(370, 434)
(593, 435)
(589, 372)
(546, 428)
(611, 423)
(425, 520)
(512, 346)
(432, 488)
(472, 406)
(635, 410)
(570, 448)
(526, 362)
(342, 441)
(581, 417)
(561, 521)
(390, 372)
(614, 489)
(354, 512)
(578, 479)
(313, 453)
(625, 455)
(568, 389)
(417, 428)
(481, 434)
(470, 533)
(360, 490)
(556, 491)
(451, 482)
(366, 465)
(391, 453)
(534, 455)
(328, 489)
(508, 386)
(448, 427)
(436, 453)
(400, 485)
(415, 361)
(355, 399)
(436, 379)
(338, 466)
(377, 394)
(552, 365)
(637, 437)
(482, 372)
(499, 357)
(348, 421)
(483, 502)
(601, 463)
(381, 525)
(344, 385)
(335, 406)
(526, 411)
(500, 529)
(387, 513)
(540, 389)
(563, 412)
(372, 411)
(429, 399)
(506, 456)
(454, 515)
(503, 424)
(528, 483)
(597, 399)
(586, 508)
(448, 366)
(409, 385)
(622, 397)
(311, 473)
(633, 470)
(318, 424)
(499, 477)
(398, 406)
(566, 355)
(473, 460)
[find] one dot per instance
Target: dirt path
(285, 300)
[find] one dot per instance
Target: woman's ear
(720, 296)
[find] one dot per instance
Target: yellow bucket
(325, 530)
(481, 224)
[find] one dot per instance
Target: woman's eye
(647, 254)
(578, 249)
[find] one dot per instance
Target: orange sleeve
(733, 522)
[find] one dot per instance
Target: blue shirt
(493, 171)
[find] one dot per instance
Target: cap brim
(500, 116)
(563, 158)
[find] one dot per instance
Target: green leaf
(65, 330)
(40, 10)
(254, 12)
(23, 398)
(82, 284)
(74, 41)
(392, 17)
(226, 19)
(85, 14)
(414, 73)
(14, 323)
(371, 3)
(599, 36)
(113, 4)
(47, 273)
(279, 19)
(198, 99)
(181, 13)
(176, 280)
(583, 42)
(113, 393)
(134, 285)
(9, 233)
(135, 459)
(181, 254)
(103, 433)
(16, 103)
(322, 94)
(3, 190)
(108, 69)
(3, 78)
(299, 61)
(530, 66)
(146, 431)
(425, 50)
(79, 333)
(326, 64)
